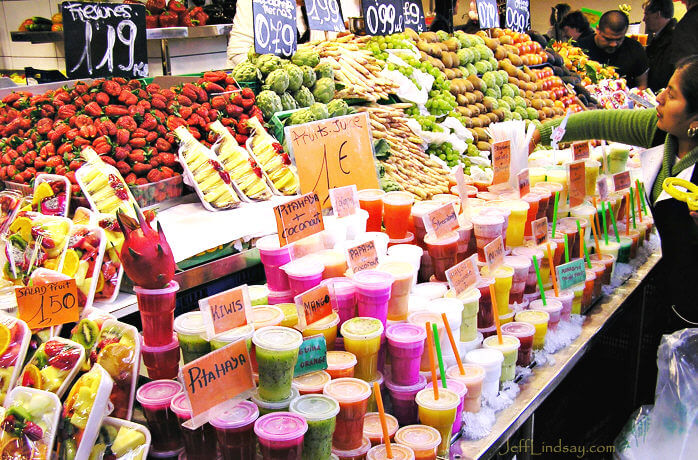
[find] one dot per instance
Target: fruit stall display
(576, 60)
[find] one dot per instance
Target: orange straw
(453, 343)
(495, 313)
(552, 270)
(581, 242)
(384, 423)
(627, 213)
(432, 360)
(639, 205)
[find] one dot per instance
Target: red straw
(432, 360)
(453, 343)
(384, 423)
(495, 313)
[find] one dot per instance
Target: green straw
(540, 280)
(641, 187)
(567, 248)
(605, 225)
(632, 207)
(584, 244)
(557, 198)
(438, 354)
(613, 221)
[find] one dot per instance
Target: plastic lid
(486, 357)
(171, 287)
(279, 296)
(502, 271)
(359, 452)
(380, 379)
(567, 294)
(341, 286)
(518, 329)
(242, 414)
(528, 251)
(181, 406)
(518, 262)
(421, 318)
(304, 267)
(405, 333)
(509, 343)
(277, 338)
(409, 237)
(471, 295)
(553, 305)
(370, 194)
(449, 238)
(325, 323)
(418, 437)
(399, 452)
(397, 268)
(315, 407)
(409, 250)
(417, 303)
(362, 328)
(274, 405)
(474, 373)
(430, 290)
(534, 316)
(454, 385)
(162, 348)
(421, 383)
(591, 275)
(447, 399)
(266, 315)
(373, 280)
(485, 219)
(373, 428)
(398, 198)
(243, 332)
(158, 392)
(311, 383)
(452, 307)
(269, 243)
(530, 197)
(347, 390)
(280, 426)
(258, 291)
(514, 205)
(191, 323)
(337, 360)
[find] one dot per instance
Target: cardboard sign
(580, 150)
(215, 379)
(577, 183)
(345, 200)
(226, 310)
(324, 15)
(487, 13)
(621, 181)
(501, 161)
(312, 355)
(275, 30)
(333, 153)
(602, 185)
(441, 221)
(383, 17)
(413, 12)
(362, 257)
(104, 40)
(50, 304)
(539, 230)
(462, 191)
(463, 275)
(518, 15)
(298, 218)
(571, 274)
(524, 183)
(494, 254)
(313, 305)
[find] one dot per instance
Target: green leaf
(382, 149)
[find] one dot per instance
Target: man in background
(659, 25)
(576, 26)
(685, 40)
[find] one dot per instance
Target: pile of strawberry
(172, 13)
(129, 124)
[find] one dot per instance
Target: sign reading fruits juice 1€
(50, 304)
(313, 305)
(298, 218)
(226, 310)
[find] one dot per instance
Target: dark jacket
(685, 39)
(661, 65)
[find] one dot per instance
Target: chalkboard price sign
(487, 13)
(518, 15)
(383, 17)
(104, 40)
(324, 15)
(275, 30)
(413, 12)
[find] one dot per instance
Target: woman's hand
(535, 140)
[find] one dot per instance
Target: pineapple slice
(126, 441)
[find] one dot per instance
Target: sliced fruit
(71, 262)
(100, 282)
(43, 191)
(86, 333)
(66, 359)
(22, 226)
(116, 358)
(39, 404)
(51, 379)
(51, 264)
(81, 272)
(5, 336)
(32, 377)
(127, 440)
(5, 378)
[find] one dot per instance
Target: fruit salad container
(103, 186)
(51, 195)
(83, 260)
(121, 440)
(9, 204)
(14, 342)
(84, 216)
(118, 351)
(54, 366)
(30, 424)
(111, 270)
(272, 160)
(83, 412)
(147, 195)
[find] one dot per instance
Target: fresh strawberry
(65, 359)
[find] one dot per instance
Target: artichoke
(324, 70)
(305, 57)
(267, 63)
(319, 111)
(288, 102)
(337, 108)
(323, 91)
(246, 71)
(277, 81)
(269, 103)
(299, 117)
(308, 76)
(304, 97)
(295, 76)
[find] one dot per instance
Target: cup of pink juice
(162, 362)
(402, 397)
(273, 256)
(343, 297)
(303, 274)
(524, 332)
(405, 347)
(373, 294)
(281, 435)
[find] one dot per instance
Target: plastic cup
(486, 229)
(545, 196)
(259, 294)
(442, 252)
(521, 211)
(157, 313)
(566, 298)
(371, 200)
(585, 213)
(267, 315)
(162, 362)
(308, 245)
(499, 209)
(356, 223)
(402, 398)
(303, 274)
(461, 390)
(405, 347)
(508, 318)
(578, 298)
(609, 262)
(343, 297)
(473, 379)
(553, 308)
(235, 431)
(611, 249)
(558, 175)
(471, 303)
(430, 290)
(408, 239)
(418, 214)
(404, 275)
(399, 452)
(592, 173)
(290, 314)
(624, 250)
(340, 364)
(396, 213)
(372, 406)
(277, 352)
(423, 440)
(439, 413)
(539, 320)
(521, 266)
(353, 454)
(352, 395)
(420, 319)
(524, 333)
(503, 276)
(335, 262)
(510, 349)
(465, 347)
(529, 252)
(320, 412)
(410, 253)
(277, 297)
(373, 430)
(491, 361)
(552, 187)
(281, 435)
(485, 318)
(373, 289)
(191, 333)
(454, 313)
(155, 398)
(244, 332)
(599, 270)
(327, 327)
(268, 407)
(588, 292)
(311, 383)
(273, 256)
(362, 338)
(200, 443)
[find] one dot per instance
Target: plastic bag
(670, 428)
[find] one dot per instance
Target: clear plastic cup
(277, 297)
(599, 270)
(340, 364)
(503, 276)
(430, 290)
(277, 352)
(588, 293)
(473, 379)
(558, 175)
(343, 297)
(162, 362)
(290, 314)
(422, 439)
(521, 266)
(402, 398)
(552, 187)
(334, 261)
(404, 276)
(320, 412)
(490, 360)
(352, 395)
(524, 332)
(498, 209)
(266, 315)
(200, 443)
(327, 326)
(362, 338)
(155, 398)
(356, 224)
(553, 308)
(591, 168)
(267, 407)
(408, 253)
(465, 234)
(485, 315)
(454, 313)
(439, 413)
(443, 252)
(578, 299)
(380, 239)
(243, 332)
(486, 229)
(303, 274)
(517, 221)
(408, 239)
(529, 252)
(353, 454)
(191, 333)
(157, 307)
(396, 213)
(311, 383)
(259, 294)
(461, 390)
(420, 319)
(380, 452)
(281, 435)
(405, 347)
(471, 304)
(373, 429)
(273, 256)
(566, 298)
(533, 199)
(510, 349)
(371, 200)
(544, 203)
(235, 431)
(609, 262)
(539, 320)
(419, 211)
(373, 294)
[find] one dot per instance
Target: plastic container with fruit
(83, 412)
(14, 342)
(51, 195)
(103, 186)
(84, 216)
(9, 204)
(118, 351)
(83, 260)
(53, 366)
(111, 270)
(156, 192)
(30, 424)
(121, 440)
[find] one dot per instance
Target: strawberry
(65, 359)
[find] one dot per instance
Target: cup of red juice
(157, 313)
(155, 398)
(485, 316)
(405, 347)
(373, 294)
(524, 332)
(371, 201)
(162, 362)
(200, 443)
(235, 431)
(402, 397)
(281, 435)
(352, 395)
(443, 252)
(486, 229)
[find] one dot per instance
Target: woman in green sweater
(670, 134)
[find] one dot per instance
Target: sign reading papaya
(333, 153)
(313, 305)
(524, 183)
(571, 274)
(463, 275)
(539, 230)
(345, 200)
(298, 218)
(362, 257)
(494, 254)
(441, 221)
(226, 310)
(621, 181)
(312, 355)
(577, 183)
(50, 304)
(580, 150)
(501, 161)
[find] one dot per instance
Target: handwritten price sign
(226, 310)
(494, 254)
(524, 183)
(577, 183)
(345, 200)
(383, 17)
(413, 11)
(441, 221)
(298, 218)
(464, 275)
(580, 150)
(362, 257)
(313, 305)
(312, 355)
(275, 29)
(621, 181)
(501, 161)
(50, 304)
(571, 274)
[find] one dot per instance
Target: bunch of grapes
(406, 71)
(379, 43)
(428, 123)
(441, 102)
(445, 152)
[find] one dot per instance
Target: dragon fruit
(145, 254)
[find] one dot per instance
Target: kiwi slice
(86, 333)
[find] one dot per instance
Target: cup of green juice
(320, 411)
(276, 350)
(191, 333)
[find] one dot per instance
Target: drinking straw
(637, 198)
(632, 207)
(628, 205)
(595, 228)
(615, 227)
(567, 248)
(581, 240)
(432, 360)
(384, 423)
(557, 197)
(540, 280)
(437, 343)
(453, 343)
(495, 313)
(605, 224)
(641, 188)
(552, 271)
(584, 246)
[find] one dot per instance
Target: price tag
(383, 17)
(524, 183)
(333, 153)
(275, 30)
(621, 181)
(602, 185)
(571, 274)
(462, 191)
(488, 13)
(50, 304)
(345, 200)
(362, 257)
(298, 218)
(580, 150)
(226, 310)
(577, 183)
(313, 305)
(216, 380)
(312, 355)
(494, 254)
(539, 230)
(104, 40)
(463, 275)
(324, 15)
(518, 15)
(501, 161)
(441, 221)
(413, 12)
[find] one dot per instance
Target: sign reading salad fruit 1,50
(226, 310)
(50, 304)
(275, 30)
(518, 15)
(313, 305)
(383, 17)
(333, 153)
(298, 218)
(501, 161)
(487, 13)
(324, 15)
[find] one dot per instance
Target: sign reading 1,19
(275, 27)
(383, 17)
